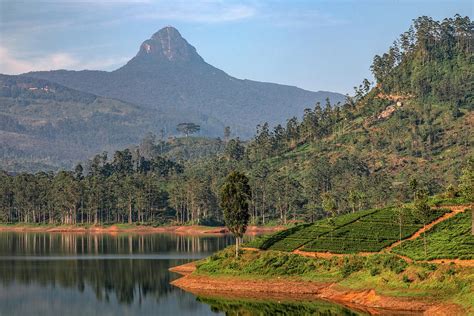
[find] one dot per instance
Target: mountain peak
(167, 32)
(168, 44)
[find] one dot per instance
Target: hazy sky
(316, 45)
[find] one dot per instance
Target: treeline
(433, 59)
(129, 188)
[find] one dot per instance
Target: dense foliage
(130, 188)
(432, 60)
(370, 233)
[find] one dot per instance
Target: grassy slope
(450, 239)
(365, 231)
(385, 273)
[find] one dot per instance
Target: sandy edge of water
(185, 230)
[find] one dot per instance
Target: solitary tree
(466, 181)
(414, 187)
(401, 213)
(188, 128)
(422, 211)
(330, 206)
(235, 196)
(227, 133)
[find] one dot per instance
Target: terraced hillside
(450, 239)
(364, 231)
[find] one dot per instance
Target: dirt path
(328, 255)
(250, 249)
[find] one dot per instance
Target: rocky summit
(168, 76)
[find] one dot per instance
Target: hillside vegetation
(46, 126)
(450, 239)
(386, 274)
(384, 146)
(363, 231)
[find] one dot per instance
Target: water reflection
(67, 273)
(47, 244)
(236, 307)
(124, 274)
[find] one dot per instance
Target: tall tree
(422, 211)
(235, 196)
(188, 128)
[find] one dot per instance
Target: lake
(124, 274)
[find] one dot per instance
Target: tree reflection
(236, 307)
(43, 244)
(68, 260)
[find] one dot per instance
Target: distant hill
(44, 125)
(168, 76)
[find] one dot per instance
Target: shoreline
(141, 229)
(296, 289)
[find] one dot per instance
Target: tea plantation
(364, 231)
(450, 239)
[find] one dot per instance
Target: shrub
(351, 265)
(374, 271)
(406, 279)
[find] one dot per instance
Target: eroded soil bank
(187, 230)
(293, 289)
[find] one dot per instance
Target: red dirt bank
(366, 300)
(185, 230)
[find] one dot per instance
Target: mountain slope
(169, 76)
(44, 125)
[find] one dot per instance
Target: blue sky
(316, 45)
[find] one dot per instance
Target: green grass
(370, 233)
(363, 231)
(386, 273)
(440, 201)
(450, 239)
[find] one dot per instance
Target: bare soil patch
(114, 229)
(284, 288)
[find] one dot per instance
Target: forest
(412, 127)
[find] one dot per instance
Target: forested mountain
(412, 131)
(44, 125)
(168, 76)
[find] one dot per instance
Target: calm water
(91, 274)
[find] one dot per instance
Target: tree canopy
(235, 197)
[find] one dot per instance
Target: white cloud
(298, 17)
(9, 64)
(203, 12)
